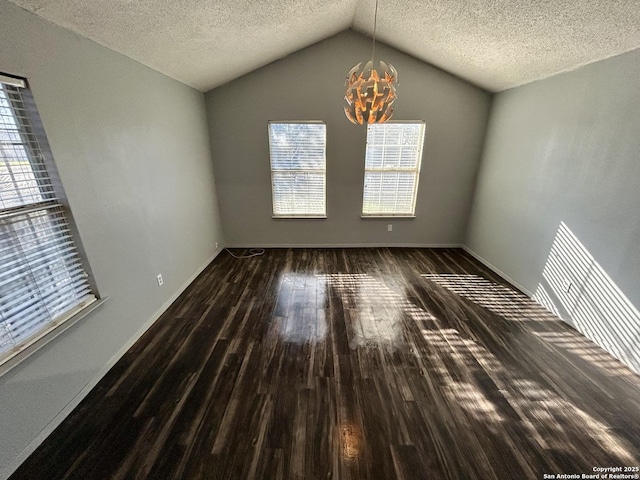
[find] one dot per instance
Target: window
(42, 279)
(298, 169)
(392, 169)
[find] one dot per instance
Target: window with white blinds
(392, 169)
(42, 278)
(298, 169)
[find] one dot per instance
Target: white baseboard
(7, 470)
(348, 245)
(497, 271)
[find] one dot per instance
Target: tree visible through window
(42, 279)
(298, 169)
(392, 168)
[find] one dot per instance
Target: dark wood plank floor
(351, 364)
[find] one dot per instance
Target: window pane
(298, 164)
(42, 276)
(392, 168)
(297, 193)
(22, 176)
(389, 193)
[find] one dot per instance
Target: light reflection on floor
(351, 441)
(305, 296)
(512, 305)
(375, 310)
(539, 409)
(586, 349)
(500, 299)
(449, 344)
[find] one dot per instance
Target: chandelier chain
(375, 22)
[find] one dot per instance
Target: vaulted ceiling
(495, 44)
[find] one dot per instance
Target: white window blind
(298, 169)
(392, 168)
(42, 278)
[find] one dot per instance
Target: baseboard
(347, 245)
(497, 271)
(6, 471)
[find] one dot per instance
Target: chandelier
(371, 90)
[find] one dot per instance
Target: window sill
(40, 340)
(297, 217)
(365, 217)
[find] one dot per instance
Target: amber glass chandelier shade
(370, 93)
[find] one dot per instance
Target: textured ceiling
(499, 44)
(496, 44)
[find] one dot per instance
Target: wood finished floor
(351, 364)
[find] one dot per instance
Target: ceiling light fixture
(371, 90)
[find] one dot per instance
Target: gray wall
(309, 85)
(133, 153)
(558, 197)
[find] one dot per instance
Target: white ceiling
(496, 44)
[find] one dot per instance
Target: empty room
(357, 239)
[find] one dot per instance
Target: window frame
(53, 208)
(275, 215)
(414, 170)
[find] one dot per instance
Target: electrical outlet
(216, 245)
(160, 280)
(389, 228)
